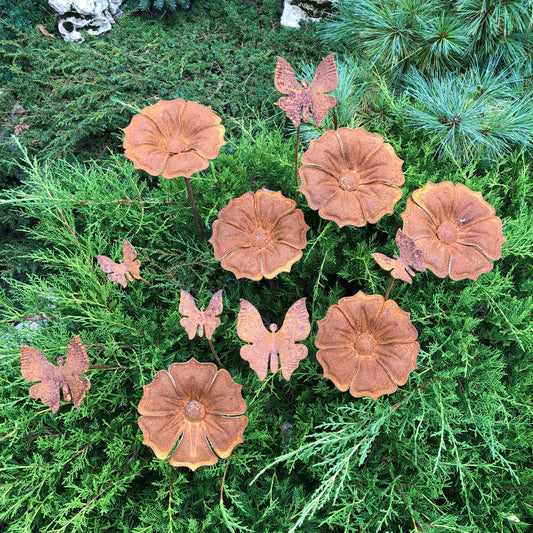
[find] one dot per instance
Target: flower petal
(148, 158)
(344, 208)
(416, 222)
(393, 325)
(361, 311)
(435, 254)
(325, 153)
(318, 185)
(278, 257)
(383, 165)
(398, 359)
(161, 432)
(270, 206)
(240, 212)
(377, 200)
(371, 379)
(357, 146)
(484, 234)
(226, 238)
(166, 114)
(192, 379)
(202, 129)
(224, 396)
(224, 433)
(468, 262)
(339, 364)
(438, 200)
(184, 164)
(193, 450)
(470, 207)
(244, 263)
(291, 229)
(160, 397)
(142, 130)
(335, 330)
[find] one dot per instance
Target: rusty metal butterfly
(303, 96)
(194, 319)
(35, 367)
(128, 268)
(266, 345)
(399, 266)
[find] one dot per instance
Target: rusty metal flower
(175, 138)
(195, 402)
(455, 228)
(351, 176)
(367, 344)
(259, 234)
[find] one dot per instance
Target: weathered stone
(296, 10)
(92, 16)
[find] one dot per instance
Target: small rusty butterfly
(35, 367)
(125, 269)
(266, 345)
(194, 319)
(399, 266)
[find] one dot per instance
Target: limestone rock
(92, 16)
(296, 10)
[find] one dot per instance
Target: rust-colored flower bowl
(173, 138)
(259, 235)
(455, 228)
(367, 345)
(351, 176)
(195, 402)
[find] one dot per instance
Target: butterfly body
(35, 367)
(267, 346)
(203, 321)
(302, 97)
(399, 265)
(125, 269)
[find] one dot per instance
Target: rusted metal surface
(399, 265)
(267, 345)
(126, 269)
(303, 96)
(367, 345)
(173, 138)
(198, 406)
(35, 367)
(351, 176)
(455, 228)
(259, 234)
(200, 320)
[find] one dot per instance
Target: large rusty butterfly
(35, 367)
(266, 345)
(303, 96)
(194, 319)
(127, 269)
(399, 266)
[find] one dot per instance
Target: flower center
(365, 345)
(349, 180)
(194, 411)
(261, 238)
(176, 144)
(447, 233)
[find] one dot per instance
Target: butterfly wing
(113, 269)
(211, 322)
(286, 83)
(397, 270)
(77, 362)
(408, 252)
(296, 327)
(250, 328)
(35, 367)
(192, 318)
(325, 81)
(130, 254)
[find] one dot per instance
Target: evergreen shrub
(448, 451)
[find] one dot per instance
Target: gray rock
(92, 16)
(296, 10)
